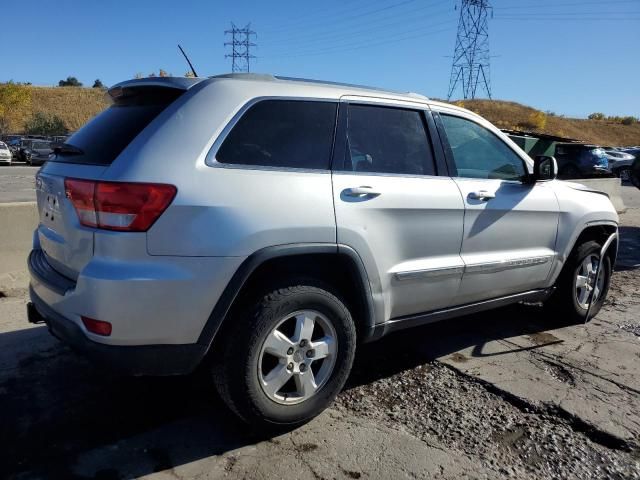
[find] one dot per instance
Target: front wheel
(284, 360)
(576, 285)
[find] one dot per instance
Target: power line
(352, 7)
(568, 19)
(363, 46)
(340, 18)
(348, 29)
(470, 66)
(572, 4)
(240, 47)
(329, 39)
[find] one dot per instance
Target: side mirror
(544, 168)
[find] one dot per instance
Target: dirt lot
(513, 394)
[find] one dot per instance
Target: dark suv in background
(577, 160)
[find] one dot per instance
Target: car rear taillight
(122, 206)
(97, 326)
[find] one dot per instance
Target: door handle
(363, 191)
(482, 195)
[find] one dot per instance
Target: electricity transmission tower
(470, 66)
(240, 47)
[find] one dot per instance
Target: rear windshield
(101, 140)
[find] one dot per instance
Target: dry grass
(516, 116)
(77, 105)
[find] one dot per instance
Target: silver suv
(272, 224)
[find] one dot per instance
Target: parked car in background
(635, 170)
(38, 152)
(14, 148)
(5, 154)
(578, 160)
(620, 163)
(281, 236)
(23, 149)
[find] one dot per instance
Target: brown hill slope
(72, 104)
(77, 105)
(513, 115)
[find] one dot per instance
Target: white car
(5, 154)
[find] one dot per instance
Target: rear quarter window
(282, 133)
(111, 131)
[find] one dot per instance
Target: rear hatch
(87, 155)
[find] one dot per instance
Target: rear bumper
(157, 307)
(132, 360)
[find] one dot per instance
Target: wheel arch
(337, 265)
(597, 231)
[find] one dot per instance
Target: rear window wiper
(68, 149)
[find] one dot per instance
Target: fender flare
(255, 260)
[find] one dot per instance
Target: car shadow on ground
(61, 414)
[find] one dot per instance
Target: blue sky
(572, 57)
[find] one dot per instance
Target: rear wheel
(576, 284)
(284, 360)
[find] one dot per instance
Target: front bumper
(132, 360)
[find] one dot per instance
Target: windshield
(40, 145)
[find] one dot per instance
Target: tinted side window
(387, 140)
(479, 153)
(282, 133)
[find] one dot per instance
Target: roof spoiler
(178, 83)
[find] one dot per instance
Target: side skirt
(411, 321)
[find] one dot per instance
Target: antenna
(240, 47)
(188, 61)
(471, 57)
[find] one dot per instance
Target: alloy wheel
(297, 357)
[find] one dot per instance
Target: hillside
(514, 116)
(72, 104)
(77, 105)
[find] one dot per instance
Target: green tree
(70, 82)
(596, 116)
(43, 124)
(98, 84)
(629, 120)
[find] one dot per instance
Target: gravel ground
(507, 436)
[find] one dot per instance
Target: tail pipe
(603, 252)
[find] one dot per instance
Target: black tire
(236, 362)
(564, 299)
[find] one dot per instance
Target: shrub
(629, 120)
(43, 124)
(536, 121)
(596, 116)
(98, 84)
(70, 82)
